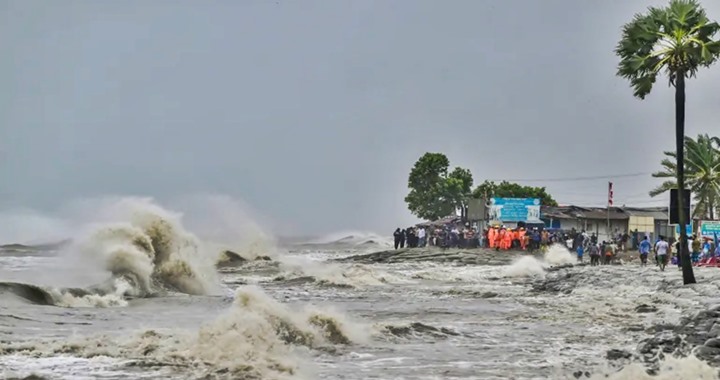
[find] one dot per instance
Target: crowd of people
(704, 251)
(466, 236)
(600, 252)
(445, 237)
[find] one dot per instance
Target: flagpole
(609, 203)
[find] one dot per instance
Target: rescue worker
(499, 238)
(508, 239)
(521, 237)
(492, 235)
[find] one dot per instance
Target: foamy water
(137, 295)
(529, 266)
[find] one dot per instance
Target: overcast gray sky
(313, 112)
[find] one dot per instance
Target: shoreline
(467, 256)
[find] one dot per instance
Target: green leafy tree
(677, 39)
(458, 188)
(505, 189)
(434, 192)
(702, 174)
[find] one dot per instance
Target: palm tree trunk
(687, 270)
(711, 206)
(707, 213)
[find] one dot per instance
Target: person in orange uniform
(495, 237)
(521, 237)
(500, 238)
(507, 239)
(492, 235)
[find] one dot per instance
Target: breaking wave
(417, 329)
(558, 255)
(69, 297)
(352, 239)
(299, 270)
(257, 338)
(530, 266)
(134, 248)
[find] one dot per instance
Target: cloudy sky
(313, 112)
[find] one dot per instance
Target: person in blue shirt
(580, 251)
(706, 248)
(644, 248)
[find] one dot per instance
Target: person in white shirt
(661, 250)
(421, 237)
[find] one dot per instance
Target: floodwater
(114, 307)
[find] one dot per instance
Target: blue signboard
(688, 229)
(710, 228)
(515, 209)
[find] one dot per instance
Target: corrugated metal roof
(602, 213)
(655, 212)
(616, 213)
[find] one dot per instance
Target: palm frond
(702, 171)
(666, 186)
(669, 165)
(677, 39)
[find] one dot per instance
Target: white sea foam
(558, 255)
(353, 239)
(529, 266)
(353, 275)
(670, 369)
(526, 266)
(257, 337)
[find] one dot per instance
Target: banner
(688, 229)
(708, 228)
(515, 209)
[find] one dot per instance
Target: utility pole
(609, 204)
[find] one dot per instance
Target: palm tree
(702, 174)
(679, 40)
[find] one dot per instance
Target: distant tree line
(437, 192)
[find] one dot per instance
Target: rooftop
(615, 213)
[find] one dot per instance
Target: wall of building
(616, 227)
(663, 228)
(644, 224)
(597, 226)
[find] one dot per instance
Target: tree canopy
(702, 174)
(677, 38)
(507, 189)
(434, 191)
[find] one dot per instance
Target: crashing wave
(99, 296)
(351, 239)
(530, 266)
(299, 271)
(229, 259)
(147, 253)
(154, 254)
(418, 329)
(255, 339)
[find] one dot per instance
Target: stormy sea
(139, 291)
